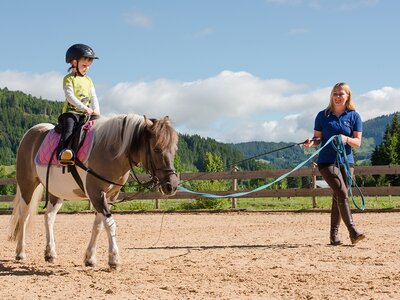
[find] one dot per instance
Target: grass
(250, 204)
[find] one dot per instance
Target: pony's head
(151, 143)
(161, 145)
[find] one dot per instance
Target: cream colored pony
(119, 143)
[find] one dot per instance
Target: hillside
(19, 112)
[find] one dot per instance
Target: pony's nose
(169, 188)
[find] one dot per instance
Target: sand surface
(209, 256)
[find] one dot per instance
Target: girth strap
(75, 174)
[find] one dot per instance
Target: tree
(388, 152)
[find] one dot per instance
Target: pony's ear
(148, 122)
(166, 119)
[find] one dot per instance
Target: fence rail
(235, 175)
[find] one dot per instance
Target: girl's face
(339, 97)
(83, 64)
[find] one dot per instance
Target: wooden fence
(235, 175)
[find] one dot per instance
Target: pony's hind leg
(25, 204)
(23, 221)
(90, 255)
(55, 204)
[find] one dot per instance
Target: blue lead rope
(183, 189)
(343, 153)
(341, 159)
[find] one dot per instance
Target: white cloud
(47, 85)
(138, 20)
(378, 102)
(229, 107)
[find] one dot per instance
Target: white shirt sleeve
(94, 103)
(70, 96)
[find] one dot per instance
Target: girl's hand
(89, 111)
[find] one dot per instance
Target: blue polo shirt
(328, 124)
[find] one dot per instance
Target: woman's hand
(353, 141)
(314, 141)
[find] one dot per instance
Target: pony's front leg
(50, 253)
(114, 260)
(90, 255)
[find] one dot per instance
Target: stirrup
(67, 162)
(66, 158)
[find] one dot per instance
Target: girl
(80, 95)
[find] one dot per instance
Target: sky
(232, 70)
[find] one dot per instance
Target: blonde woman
(339, 118)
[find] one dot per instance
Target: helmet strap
(77, 72)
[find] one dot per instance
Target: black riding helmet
(77, 51)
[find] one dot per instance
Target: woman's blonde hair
(349, 103)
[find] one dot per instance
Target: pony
(119, 142)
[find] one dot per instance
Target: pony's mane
(126, 131)
(165, 134)
(122, 130)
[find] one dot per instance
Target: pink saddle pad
(51, 141)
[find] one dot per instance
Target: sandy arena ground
(209, 256)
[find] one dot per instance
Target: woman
(339, 118)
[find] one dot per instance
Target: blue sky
(231, 70)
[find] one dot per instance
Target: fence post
(314, 185)
(157, 203)
(234, 188)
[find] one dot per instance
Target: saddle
(80, 142)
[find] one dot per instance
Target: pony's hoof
(90, 263)
(115, 267)
(20, 257)
(50, 259)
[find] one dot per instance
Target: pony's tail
(21, 208)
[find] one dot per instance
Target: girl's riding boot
(345, 212)
(335, 222)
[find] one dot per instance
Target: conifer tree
(387, 153)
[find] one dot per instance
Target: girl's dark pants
(68, 122)
(337, 181)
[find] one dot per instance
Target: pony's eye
(157, 150)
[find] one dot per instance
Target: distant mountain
(375, 128)
(286, 158)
